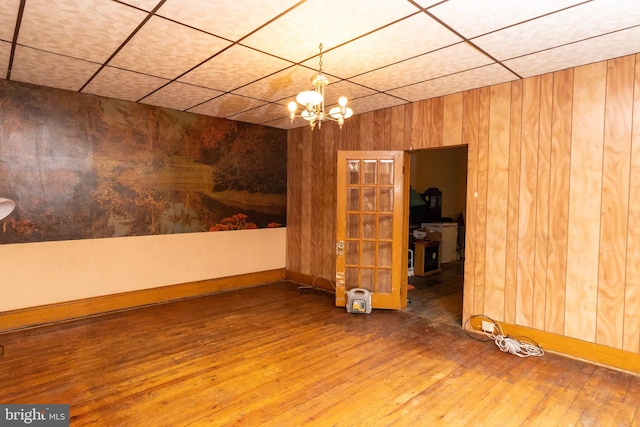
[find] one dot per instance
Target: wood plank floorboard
(274, 356)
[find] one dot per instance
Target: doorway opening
(437, 206)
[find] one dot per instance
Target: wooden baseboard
(53, 313)
(317, 281)
(572, 347)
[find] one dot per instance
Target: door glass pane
(368, 277)
(352, 252)
(353, 171)
(368, 253)
(385, 226)
(384, 280)
(370, 171)
(386, 172)
(368, 226)
(384, 254)
(353, 225)
(369, 199)
(353, 199)
(386, 200)
(351, 278)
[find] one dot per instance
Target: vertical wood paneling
(417, 125)
(559, 200)
(497, 198)
(306, 227)
(316, 187)
(615, 200)
(511, 261)
(452, 120)
(584, 201)
(542, 202)
(548, 194)
(481, 202)
(470, 137)
(436, 125)
(396, 140)
(527, 201)
(294, 181)
(631, 329)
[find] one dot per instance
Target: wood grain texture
(511, 262)
(527, 201)
(615, 200)
(497, 199)
(559, 200)
(436, 127)
(452, 120)
(470, 137)
(257, 357)
(542, 202)
(631, 329)
(585, 201)
(481, 202)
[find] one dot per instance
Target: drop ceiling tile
(90, 29)
(8, 15)
(440, 63)
(152, 52)
(296, 35)
(466, 80)
(284, 84)
(235, 67)
(48, 69)
(374, 102)
(578, 23)
(410, 37)
(147, 5)
(427, 3)
(228, 19)
(585, 52)
(261, 114)
(122, 84)
(285, 123)
(345, 88)
(180, 96)
(5, 52)
(226, 105)
(472, 18)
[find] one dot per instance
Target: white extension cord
(506, 343)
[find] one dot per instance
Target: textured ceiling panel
(617, 44)
(233, 68)
(296, 35)
(229, 19)
(436, 64)
(568, 26)
(472, 18)
(123, 84)
(180, 96)
(246, 59)
(91, 29)
(8, 12)
(150, 51)
(42, 68)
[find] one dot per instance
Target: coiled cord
(523, 347)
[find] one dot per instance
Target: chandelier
(313, 103)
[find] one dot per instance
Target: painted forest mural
(81, 166)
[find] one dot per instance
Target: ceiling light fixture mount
(313, 103)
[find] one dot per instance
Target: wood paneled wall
(553, 195)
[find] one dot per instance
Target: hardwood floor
(439, 297)
(274, 356)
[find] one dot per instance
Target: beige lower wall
(34, 274)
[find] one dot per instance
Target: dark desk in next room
(427, 257)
